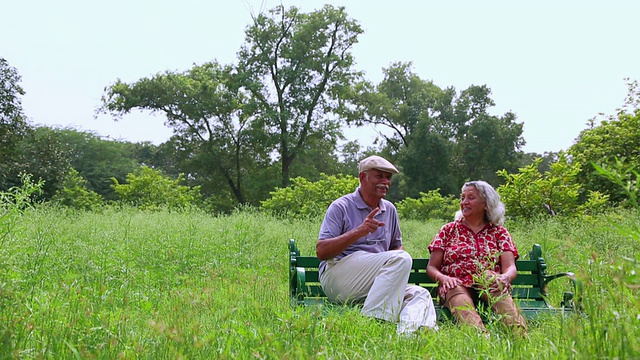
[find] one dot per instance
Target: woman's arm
(501, 283)
(508, 267)
(433, 271)
(433, 267)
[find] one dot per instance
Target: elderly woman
(473, 258)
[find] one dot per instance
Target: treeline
(242, 130)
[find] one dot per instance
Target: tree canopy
(296, 66)
(207, 109)
(25, 149)
(239, 121)
(242, 129)
(614, 143)
(439, 137)
(13, 126)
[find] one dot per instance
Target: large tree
(98, 160)
(42, 154)
(296, 66)
(439, 138)
(488, 144)
(24, 148)
(613, 143)
(13, 125)
(10, 92)
(402, 102)
(207, 108)
(426, 165)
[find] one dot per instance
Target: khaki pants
(380, 281)
(460, 301)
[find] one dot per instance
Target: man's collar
(363, 205)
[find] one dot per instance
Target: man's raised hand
(371, 224)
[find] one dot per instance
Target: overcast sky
(555, 64)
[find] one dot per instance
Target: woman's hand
(433, 270)
(448, 282)
(498, 283)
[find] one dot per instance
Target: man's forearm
(329, 248)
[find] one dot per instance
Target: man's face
(376, 182)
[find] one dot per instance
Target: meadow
(124, 283)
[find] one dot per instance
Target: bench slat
(518, 291)
(417, 276)
(527, 265)
(526, 279)
(527, 293)
(420, 278)
(308, 261)
(312, 276)
(418, 264)
(314, 290)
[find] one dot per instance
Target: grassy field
(139, 285)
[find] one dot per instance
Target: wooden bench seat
(529, 288)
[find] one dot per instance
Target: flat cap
(376, 162)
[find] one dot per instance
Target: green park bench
(529, 288)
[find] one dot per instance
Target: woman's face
(471, 203)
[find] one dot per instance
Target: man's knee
(402, 259)
(415, 291)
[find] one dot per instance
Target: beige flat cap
(376, 162)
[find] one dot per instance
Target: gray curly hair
(495, 207)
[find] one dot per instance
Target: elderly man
(363, 260)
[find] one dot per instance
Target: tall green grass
(158, 285)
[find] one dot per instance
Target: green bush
(624, 176)
(530, 193)
(12, 204)
(430, 205)
(75, 194)
(613, 142)
(149, 189)
(304, 198)
(20, 197)
(626, 266)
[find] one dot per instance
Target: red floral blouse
(467, 254)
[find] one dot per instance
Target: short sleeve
(333, 223)
(437, 243)
(396, 233)
(505, 242)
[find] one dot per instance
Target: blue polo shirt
(348, 212)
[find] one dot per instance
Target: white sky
(556, 64)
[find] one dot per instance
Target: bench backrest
(528, 286)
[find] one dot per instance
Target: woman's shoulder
(499, 228)
(450, 226)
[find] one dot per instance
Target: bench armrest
(302, 279)
(570, 300)
(297, 281)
